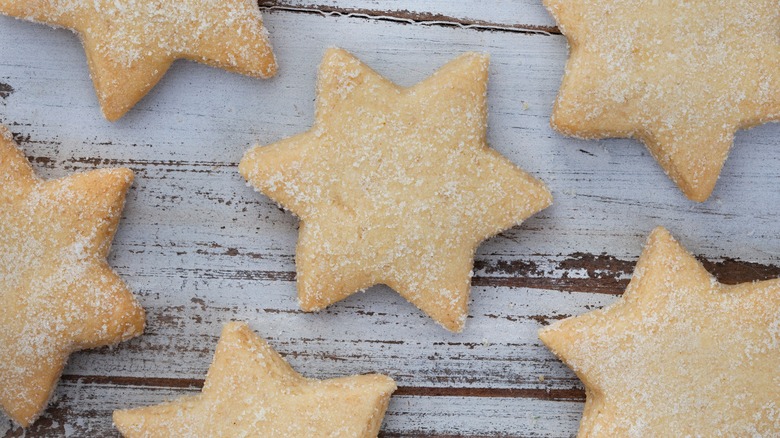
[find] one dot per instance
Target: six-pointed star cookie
(679, 355)
(251, 391)
(130, 44)
(680, 75)
(57, 293)
(395, 185)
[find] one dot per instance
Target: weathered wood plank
(84, 409)
(199, 121)
(200, 248)
(374, 332)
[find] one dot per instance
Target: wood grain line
(423, 434)
(573, 394)
(409, 17)
(605, 274)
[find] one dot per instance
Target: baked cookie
(131, 44)
(57, 293)
(680, 75)
(679, 354)
(395, 185)
(251, 391)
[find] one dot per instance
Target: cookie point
(245, 165)
(660, 233)
(482, 57)
(309, 305)
(125, 173)
(111, 113)
(335, 52)
(545, 194)
(136, 323)
(235, 327)
(123, 420)
(119, 179)
(23, 419)
(543, 333)
(271, 70)
(455, 325)
(698, 194)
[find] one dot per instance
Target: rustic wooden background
(200, 248)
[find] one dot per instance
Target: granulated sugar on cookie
(679, 354)
(251, 391)
(130, 44)
(680, 75)
(57, 293)
(395, 185)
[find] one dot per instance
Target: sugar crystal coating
(57, 293)
(395, 185)
(251, 391)
(679, 354)
(680, 75)
(130, 44)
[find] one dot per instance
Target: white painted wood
(493, 13)
(201, 248)
(83, 409)
(206, 118)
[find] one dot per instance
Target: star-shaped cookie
(395, 185)
(251, 391)
(130, 44)
(679, 355)
(57, 292)
(682, 76)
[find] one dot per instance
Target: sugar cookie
(679, 355)
(57, 293)
(130, 44)
(395, 185)
(682, 76)
(251, 391)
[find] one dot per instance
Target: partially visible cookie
(131, 44)
(679, 354)
(395, 185)
(680, 75)
(251, 391)
(57, 292)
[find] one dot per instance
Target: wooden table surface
(199, 248)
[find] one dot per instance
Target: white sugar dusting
(679, 354)
(225, 31)
(395, 185)
(131, 43)
(56, 292)
(251, 391)
(680, 75)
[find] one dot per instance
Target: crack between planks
(603, 274)
(571, 395)
(408, 17)
(575, 272)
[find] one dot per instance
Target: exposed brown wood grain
(607, 274)
(5, 90)
(603, 273)
(405, 16)
(573, 394)
(422, 434)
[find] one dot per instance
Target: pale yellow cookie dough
(251, 391)
(130, 44)
(395, 185)
(680, 75)
(57, 293)
(679, 354)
